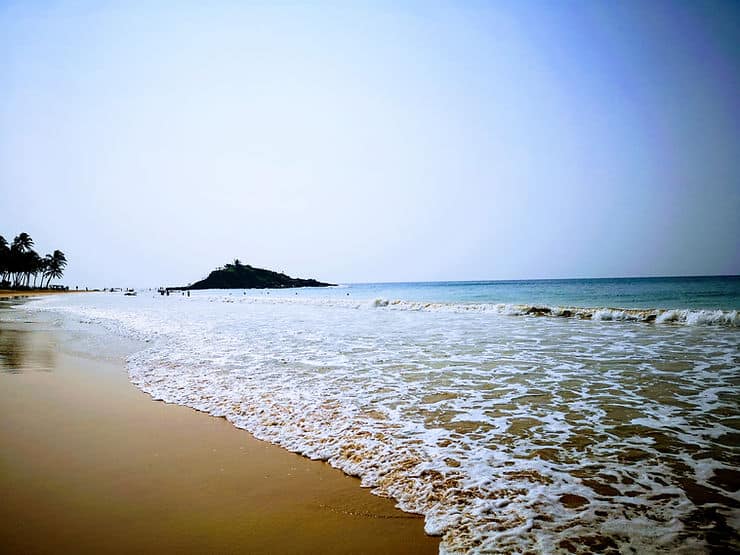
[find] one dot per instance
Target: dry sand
(89, 464)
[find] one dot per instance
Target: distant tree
(56, 264)
(29, 266)
(4, 260)
(23, 242)
(19, 261)
(37, 267)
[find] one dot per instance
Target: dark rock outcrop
(244, 276)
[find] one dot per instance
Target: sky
(372, 141)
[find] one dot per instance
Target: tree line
(19, 262)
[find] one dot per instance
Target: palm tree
(46, 264)
(19, 261)
(22, 242)
(4, 260)
(29, 262)
(56, 264)
(37, 266)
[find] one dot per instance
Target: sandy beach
(91, 464)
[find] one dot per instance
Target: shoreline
(90, 463)
(16, 293)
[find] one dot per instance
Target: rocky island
(243, 276)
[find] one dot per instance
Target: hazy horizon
(373, 142)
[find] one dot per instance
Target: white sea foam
(509, 434)
(729, 318)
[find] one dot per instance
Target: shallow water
(509, 433)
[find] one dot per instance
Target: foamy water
(509, 429)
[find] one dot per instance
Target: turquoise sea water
(707, 293)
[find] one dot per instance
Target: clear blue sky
(373, 141)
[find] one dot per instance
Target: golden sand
(89, 464)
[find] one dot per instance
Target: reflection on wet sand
(21, 351)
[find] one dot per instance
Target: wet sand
(90, 464)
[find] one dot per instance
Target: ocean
(554, 416)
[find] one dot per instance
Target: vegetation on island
(19, 262)
(243, 276)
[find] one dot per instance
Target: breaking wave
(692, 317)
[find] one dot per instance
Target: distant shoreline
(12, 293)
